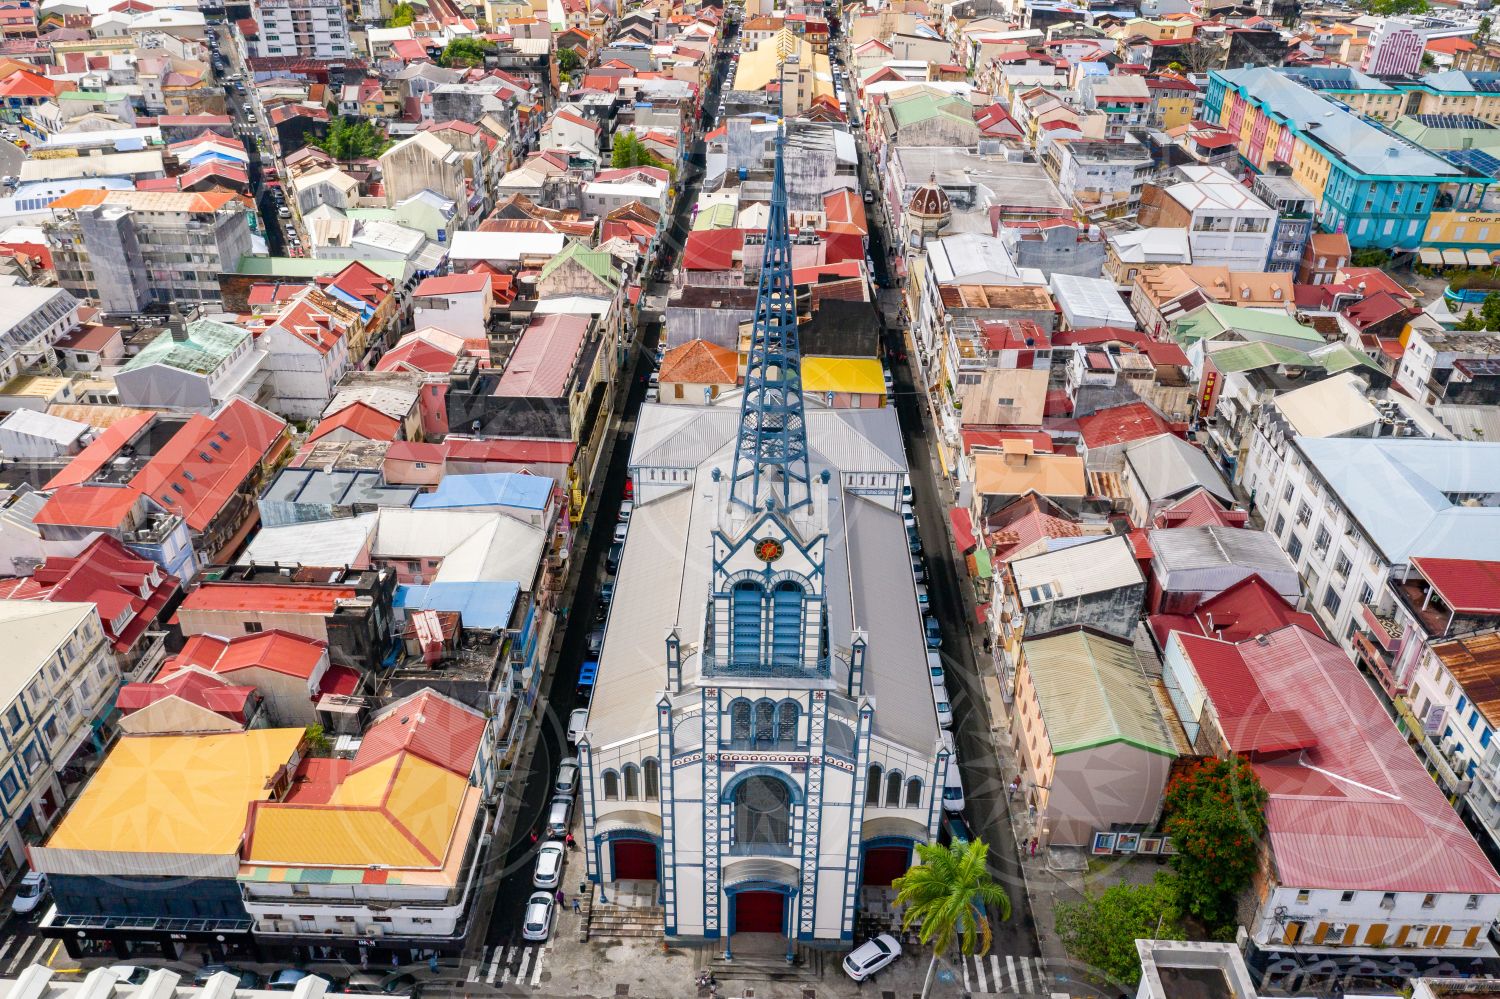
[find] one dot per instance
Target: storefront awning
(1478, 258)
(775, 872)
(628, 820)
(1454, 257)
(1430, 255)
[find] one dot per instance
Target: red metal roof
(416, 451)
(963, 528)
(265, 597)
(541, 364)
(104, 507)
(100, 451)
(454, 284)
(1246, 609)
(511, 450)
(442, 732)
(1467, 586)
(1356, 811)
(1041, 441)
(712, 249)
(114, 578)
(1200, 508)
(205, 691)
(277, 651)
(1121, 424)
(359, 418)
(207, 461)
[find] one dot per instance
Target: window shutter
(1321, 934)
(1375, 935)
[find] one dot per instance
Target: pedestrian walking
(569, 840)
(561, 898)
(1033, 846)
(575, 905)
(1015, 787)
(533, 833)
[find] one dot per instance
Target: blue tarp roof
(482, 605)
(529, 492)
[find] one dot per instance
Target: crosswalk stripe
(494, 966)
(1015, 980)
(525, 962)
(1041, 975)
(24, 955)
(536, 969)
(510, 957)
(9, 943)
(995, 967)
(979, 973)
(964, 964)
(1026, 972)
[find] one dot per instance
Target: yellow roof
(761, 66)
(186, 794)
(398, 813)
(1015, 473)
(855, 375)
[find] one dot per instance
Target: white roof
(1213, 189)
(1104, 564)
(476, 545)
(507, 246)
(33, 630)
(1328, 408)
(320, 543)
(1087, 301)
(1158, 244)
(580, 305)
(53, 428)
(972, 258)
(104, 165)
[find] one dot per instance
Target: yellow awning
(1454, 257)
(1430, 255)
(1478, 258)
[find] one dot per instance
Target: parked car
(33, 889)
(922, 597)
(918, 570)
(612, 558)
(864, 961)
(596, 641)
(537, 924)
(606, 593)
(953, 789)
(935, 668)
(934, 633)
(246, 979)
(944, 714)
(566, 781)
(558, 814)
(549, 864)
(382, 983)
(578, 722)
(627, 507)
(130, 974)
(620, 530)
(286, 980)
(653, 393)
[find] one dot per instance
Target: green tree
(1369, 256)
(1216, 815)
(401, 15)
(1101, 930)
(1482, 29)
(318, 743)
(948, 893)
(1472, 322)
(1489, 311)
(353, 139)
(630, 151)
(462, 53)
(1391, 8)
(568, 60)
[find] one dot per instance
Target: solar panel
(1452, 121)
(1475, 159)
(1485, 86)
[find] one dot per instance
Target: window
(1366, 593)
(13, 719)
(9, 785)
(611, 786)
(787, 714)
(1304, 895)
(739, 721)
(1347, 896)
(1429, 900)
(765, 721)
(1322, 539)
(762, 812)
(744, 627)
(1342, 565)
(1472, 903)
(914, 793)
(1463, 702)
(872, 784)
(1331, 599)
(651, 774)
(786, 627)
(1388, 900)
(1304, 513)
(1280, 525)
(253, 627)
(893, 789)
(632, 775)
(1294, 547)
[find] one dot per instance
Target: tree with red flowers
(1215, 814)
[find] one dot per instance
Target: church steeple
(770, 452)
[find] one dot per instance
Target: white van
(953, 790)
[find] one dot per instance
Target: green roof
(1209, 321)
(308, 267)
(89, 95)
(207, 345)
(1092, 692)
(1333, 357)
(717, 216)
(922, 106)
(597, 262)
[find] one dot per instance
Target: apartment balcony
(1378, 643)
(1427, 739)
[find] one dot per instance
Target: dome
(931, 201)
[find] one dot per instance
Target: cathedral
(763, 742)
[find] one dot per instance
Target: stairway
(603, 920)
(765, 966)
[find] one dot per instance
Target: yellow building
(810, 78)
(844, 382)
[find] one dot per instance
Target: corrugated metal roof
(1091, 692)
(1093, 567)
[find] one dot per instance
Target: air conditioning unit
(374, 931)
(1337, 929)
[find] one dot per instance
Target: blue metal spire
(770, 453)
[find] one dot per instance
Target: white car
(578, 721)
(537, 923)
(871, 956)
(945, 714)
(627, 507)
(130, 974)
(620, 530)
(935, 668)
(33, 889)
(549, 864)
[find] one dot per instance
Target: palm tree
(948, 894)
